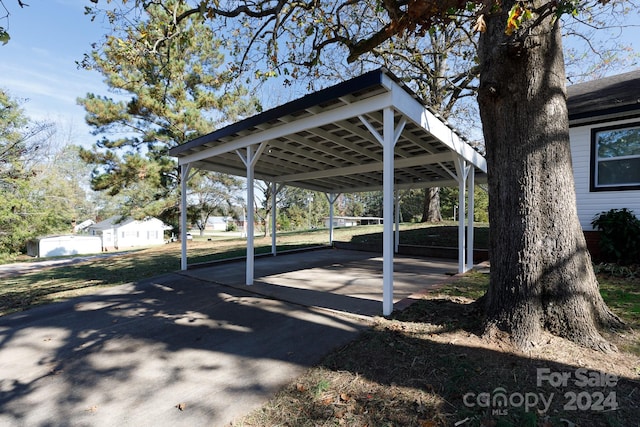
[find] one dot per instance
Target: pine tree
(165, 96)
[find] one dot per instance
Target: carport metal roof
(330, 140)
(367, 133)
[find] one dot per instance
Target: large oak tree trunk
(431, 205)
(541, 272)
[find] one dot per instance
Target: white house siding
(592, 203)
(140, 233)
(129, 233)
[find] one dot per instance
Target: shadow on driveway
(131, 355)
(184, 349)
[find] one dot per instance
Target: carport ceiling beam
(370, 167)
(366, 134)
(329, 116)
(328, 136)
(303, 150)
(396, 135)
(218, 167)
(345, 143)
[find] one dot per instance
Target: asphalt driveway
(183, 348)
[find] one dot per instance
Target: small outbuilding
(218, 223)
(73, 244)
(118, 232)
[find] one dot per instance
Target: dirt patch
(428, 366)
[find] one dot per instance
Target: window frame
(593, 185)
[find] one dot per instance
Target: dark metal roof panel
(610, 95)
(361, 83)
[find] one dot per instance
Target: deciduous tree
(20, 141)
(211, 193)
(542, 277)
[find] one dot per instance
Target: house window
(615, 158)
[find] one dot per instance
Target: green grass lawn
(23, 291)
(410, 369)
(26, 290)
(445, 234)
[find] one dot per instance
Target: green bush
(620, 236)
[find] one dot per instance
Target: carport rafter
(351, 137)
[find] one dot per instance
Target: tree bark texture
(541, 272)
(431, 205)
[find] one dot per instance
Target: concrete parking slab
(185, 349)
(336, 279)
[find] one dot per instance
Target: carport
(365, 134)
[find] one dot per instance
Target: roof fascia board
(417, 113)
(601, 117)
(590, 114)
(364, 106)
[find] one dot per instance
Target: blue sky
(49, 36)
(38, 63)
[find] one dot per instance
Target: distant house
(118, 233)
(352, 221)
(218, 223)
(73, 244)
(604, 121)
(83, 226)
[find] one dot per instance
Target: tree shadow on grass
(427, 366)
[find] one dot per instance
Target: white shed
(64, 245)
(118, 232)
(604, 118)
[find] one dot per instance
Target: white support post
(387, 211)
(470, 206)
(184, 178)
(331, 203)
(250, 218)
(461, 231)
(250, 161)
(397, 221)
(331, 198)
(462, 170)
(390, 135)
(274, 194)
